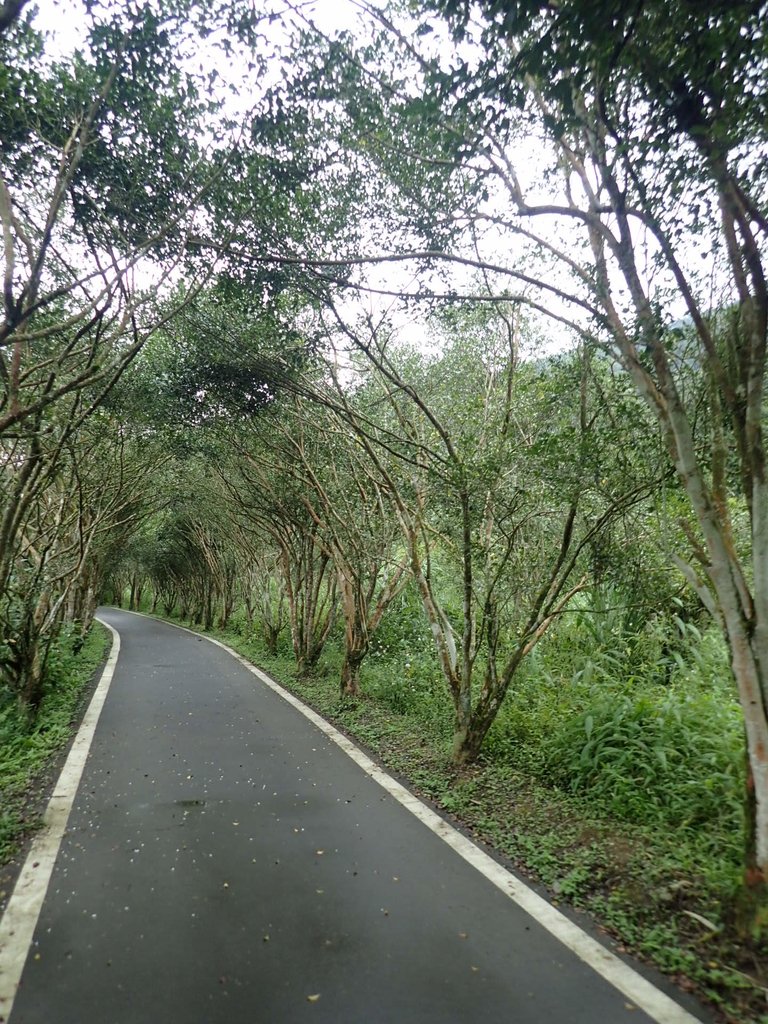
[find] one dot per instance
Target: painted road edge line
(638, 990)
(17, 925)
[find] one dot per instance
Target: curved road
(225, 862)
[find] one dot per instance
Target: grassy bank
(29, 751)
(647, 842)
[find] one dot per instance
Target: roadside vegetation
(31, 747)
(435, 366)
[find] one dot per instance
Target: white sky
(64, 22)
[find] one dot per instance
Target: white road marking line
(17, 926)
(637, 989)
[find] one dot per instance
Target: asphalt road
(226, 863)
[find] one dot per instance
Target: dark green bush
(669, 758)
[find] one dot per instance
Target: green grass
(28, 751)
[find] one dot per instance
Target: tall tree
(489, 477)
(601, 161)
(86, 504)
(316, 457)
(109, 157)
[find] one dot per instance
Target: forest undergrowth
(30, 747)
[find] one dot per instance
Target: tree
(316, 455)
(665, 107)
(109, 157)
(469, 453)
(87, 503)
(79, 223)
(262, 504)
(266, 502)
(605, 148)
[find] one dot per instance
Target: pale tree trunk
(355, 633)
(721, 579)
(248, 606)
(457, 673)
(747, 664)
(735, 384)
(739, 610)
(361, 620)
(311, 602)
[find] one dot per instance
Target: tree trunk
(311, 615)
(751, 905)
(307, 658)
(271, 636)
(31, 692)
(29, 662)
(248, 606)
(355, 632)
(350, 671)
(467, 737)
(169, 598)
(226, 611)
(753, 911)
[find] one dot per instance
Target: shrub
(26, 745)
(656, 756)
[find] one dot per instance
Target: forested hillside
(421, 350)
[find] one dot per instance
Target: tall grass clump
(672, 758)
(644, 722)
